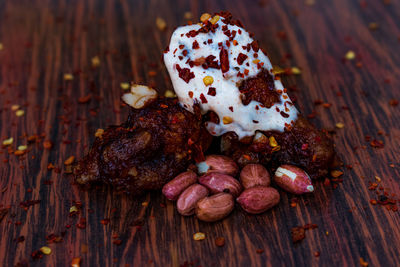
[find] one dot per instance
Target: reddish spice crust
(154, 145)
(260, 88)
(318, 157)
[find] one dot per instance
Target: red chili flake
(37, 254)
(255, 46)
(190, 142)
(85, 99)
(283, 114)
(377, 143)
(224, 60)
(28, 203)
(190, 94)
(195, 45)
(220, 241)
(117, 242)
(309, 226)
(82, 223)
(20, 239)
(192, 33)
(259, 251)
(373, 202)
(203, 99)
(316, 254)
(326, 105)
(47, 144)
(185, 73)
(304, 147)
(210, 62)
(184, 53)
(211, 91)
(281, 35)
(105, 221)
(393, 102)
(231, 108)
(181, 46)
(50, 166)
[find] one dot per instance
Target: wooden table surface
(44, 42)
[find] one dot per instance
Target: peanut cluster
(212, 195)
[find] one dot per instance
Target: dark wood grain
(43, 40)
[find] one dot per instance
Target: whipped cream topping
(207, 62)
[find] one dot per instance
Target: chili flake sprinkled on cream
(217, 49)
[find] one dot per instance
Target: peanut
(214, 208)
(293, 179)
(174, 188)
(253, 175)
(218, 163)
(187, 200)
(258, 199)
(218, 182)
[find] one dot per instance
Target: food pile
(212, 195)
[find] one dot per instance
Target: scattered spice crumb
(259, 251)
(45, 250)
(20, 113)
(95, 61)
(169, 93)
(47, 144)
(84, 99)
(377, 144)
(73, 209)
(69, 161)
(298, 234)
(188, 15)
(350, 55)
(76, 262)
(15, 107)
(199, 236)
(363, 263)
(22, 147)
(161, 24)
(99, 133)
(8, 141)
(339, 125)
(336, 173)
(317, 254)
(295, 71)
(125, 85)
(68, 77)
(373, 26)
